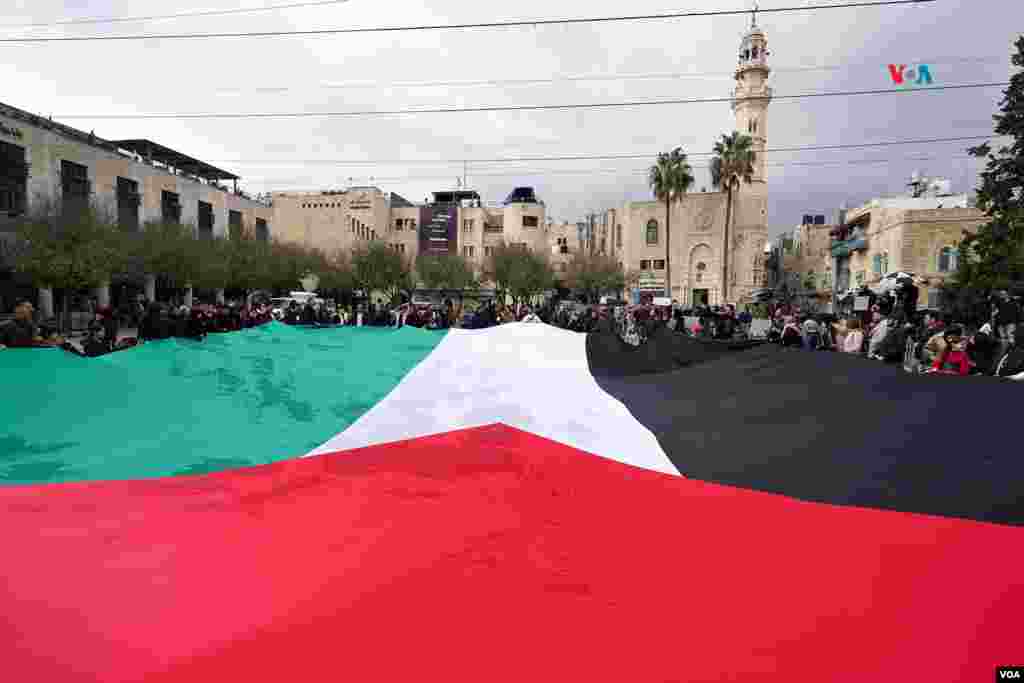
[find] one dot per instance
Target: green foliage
(595, 274)
(670, 178)
(518, 272)
(732, 165)
(164, 249)
(445, 272)
(68, 249)
(377, 266)
(335, 272)
(993, 258)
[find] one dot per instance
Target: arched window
(876, 264)
(701, 267)
(652, 231)
(753, 53)
(948, 259)
(754, 125)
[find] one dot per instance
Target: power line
(525, 107)
(598, 157)
(642, 172)
(377, 85)
(180, 15)
(525, 23)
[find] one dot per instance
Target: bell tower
(752, 94)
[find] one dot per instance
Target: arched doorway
(702, 280)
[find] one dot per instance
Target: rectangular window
(645, 264)
(398, 223)
(128, 201)
(74, 180)
(262, 230)
(618, 236)
(205, 215)
(170, 207)
(13, 179)
(467, 225)
(488, 251)
(659, 264)
(530, 221)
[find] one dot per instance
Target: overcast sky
(964, 41)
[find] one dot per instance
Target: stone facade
(901, 237)
(46, 145)
(637, 230)
(44, 164)
(697, 223)
(342, 220)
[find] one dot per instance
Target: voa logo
(908, 76)
(1009, 674)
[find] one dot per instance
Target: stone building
(918, 234)
(803, 256)
(635, 233)
(456, 222)
(45, 164)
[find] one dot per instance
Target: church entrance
(700, 297)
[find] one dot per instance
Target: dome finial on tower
(753, 17)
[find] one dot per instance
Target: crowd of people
(926, 342)
(889, 330)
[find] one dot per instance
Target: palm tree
(732, 165)
(670, 177)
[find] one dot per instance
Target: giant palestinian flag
(517, 503)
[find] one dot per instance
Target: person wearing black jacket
(1007, 317)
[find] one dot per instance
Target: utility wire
(377, 85)
(597, 157)
(180, 15)
(525, 107)
(524, 23)
(643, 172)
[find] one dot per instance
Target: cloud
(850, 49)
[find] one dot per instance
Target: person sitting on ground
(853, 340)
(879, 329)
(954, 359)
(893, 347)
(791, 334)
(840, 328)
(811, 334)
(935, 346)
(22, 332)
(983, 349)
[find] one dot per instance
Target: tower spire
(753, 17)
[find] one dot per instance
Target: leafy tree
(68, 250)
(670, 178)
(376, 266)
(334, 272)
(732, 165)
(993, 257)
(163, 249)
(287, 265)
(446, 272)
(594, 274)
(518, 272)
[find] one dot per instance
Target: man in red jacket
(953, 360)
